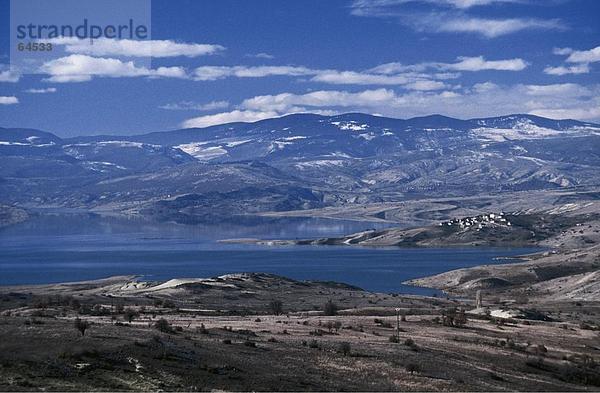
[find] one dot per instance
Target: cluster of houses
(478, 222)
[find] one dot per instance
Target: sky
(215, 62)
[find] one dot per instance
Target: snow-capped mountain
(301, 161)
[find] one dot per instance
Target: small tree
(345, 348)
(329, 326)
(276, 306)
(413, 368)
(330, 308)
(461, 318)
(169, 304)
(81, 325)
(162, 325)
(74, 304)
(337, 326)
(130, 314)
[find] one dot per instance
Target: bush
(330, 308)
(74, 304)
(393, 339)
(202, 329)
(169, 304)
(345, 348)
(409, 342)
(313, 344)
(162, 325)
(536, 363)
(337, 325)
(226, 341)
(81, 325)
(251, 344)
(276, 307)
(130, 314)
(413, 368)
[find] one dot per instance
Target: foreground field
(263, 332)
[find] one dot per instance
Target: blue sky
(222, 61)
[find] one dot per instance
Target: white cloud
(582, 58)
(450, 16)
(81, 68)
(555, 90)
(211, 73)
(41, 91)
(562, 70)
(189, 105)
(465, 64)
(261, 55)
(135, 48)
(585, 56)
(8, 100)
(228, 117)
(358, 78)
(481, 64)
(9, 76)
(288, 102)
(562, 51)
(425, 85)
(472, 3)
(361, 7)
(483, 87)
(268, 106)
(567, 100)
(492, 28)
(412, 77)
(569, 113)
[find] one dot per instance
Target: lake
(71, 247)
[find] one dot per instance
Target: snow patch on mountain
(519, 132)
(31, 143)
(293, 138)
(237, 143)
(101, 166)
(351, 125)
(201, 153)
(369, 136)
(319, 164)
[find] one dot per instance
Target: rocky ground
(264, 332)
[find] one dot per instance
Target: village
(479, 222)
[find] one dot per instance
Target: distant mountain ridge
(298, 161)
(431, 121)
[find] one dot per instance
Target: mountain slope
(300, 161)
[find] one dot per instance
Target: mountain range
(298, 161)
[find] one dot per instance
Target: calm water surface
(60, 248)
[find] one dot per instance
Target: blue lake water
(73, 247)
